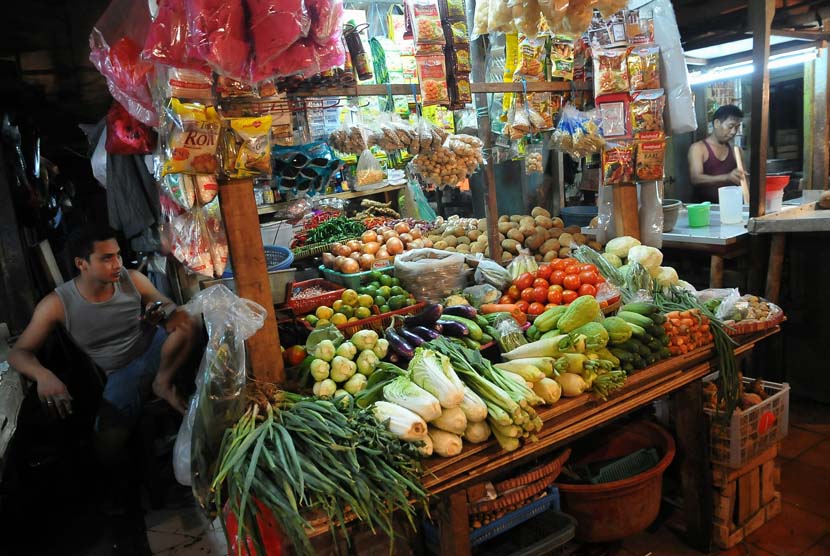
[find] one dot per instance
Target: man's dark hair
(82, 241)
(728, 111)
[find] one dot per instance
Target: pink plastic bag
(217, 36)
(126, 135)
(306, 58)
(275, 26)
(166, 39)
(326, 20)
(115, 50)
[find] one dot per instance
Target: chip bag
(647, 114)
(180, 188)
(610, 71)
(253, 138)
(618, 164)
(190, 138)
(216, 236)
(562, 58)
(432, 75)
(644, 67)
(650, 160)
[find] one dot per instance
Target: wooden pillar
(808, 110)
(251, 275)
(820, 163)
(761, 13)
(626, 210)
(454, 525)
(716, 271)
(775, 267)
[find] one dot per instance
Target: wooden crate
(745, 498)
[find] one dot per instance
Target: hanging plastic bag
(480, 19)
(115, 45)
(219, 399)
(651, 213)
(166, 38)
(681, 113)
(98, 160)
(217, 36)
(369, 173)
(533, 159)
(190, 243)
(326, 20)
(499, 17)
(605, 215)
(180, 188)
(521, 263)
(126, 135)
(482, 293)
(216, 236)
(184, 83)
(274, 26)
(253, 146)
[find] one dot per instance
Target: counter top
(798, 215)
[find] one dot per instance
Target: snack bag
(647, 114)
(610, 71)
(432, 74)
(190, 84)
(480, 19)
(532, 58)
(254, 153)
(562, 58)
(644, 68)
(461, 59)
(614, 111)
(457, 31)
(207, 187)
(499, 17)
(650, 157)
(349, 139)
(192, 130)
(180, 188)
(618, 164)
(190, 243)
(533, 159)
(426, 20)
(217, 239)
(460, 91)
(369, 173)
(526, 16)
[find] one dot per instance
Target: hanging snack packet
(458, 31)
(207, 188)
(461, 59)
(650, 160)
(610, 71)
(454, 10)
(614, 112)
(180, 188)
(349, 139)
(526, 16)
(189, 84)
(647, 114)
(499, 17)
(460, 91)
(216, 236)
(480, 18)
(190, 243)
(192, 130)
(644, 67)
(432, 74)
(253, 136)
(562, 58)
(618, 164)
(426, 20)
(531, 60)
(369, 172)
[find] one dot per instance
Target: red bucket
(777, 183)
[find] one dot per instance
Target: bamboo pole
(761, 13)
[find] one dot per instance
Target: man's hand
(54, 397)
(154, 312)
(735, 176)
(168, 393)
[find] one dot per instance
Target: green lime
(380, 300)
(363, 313)
(386, 280)
(410, 301)
(347, 310)
(311, 319)
(377, 275)
(397, 290)
(370, 290)
(384, 308)
(375, 284)
(396, 282)
(385, 291)
(397, 302)
(321, 323)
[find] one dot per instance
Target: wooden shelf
(402, 89)
(269, 209)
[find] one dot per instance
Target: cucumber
(481, 321)
(622, 355)
(631, 345)
(655, 346)
(475, 330)
(491, 331)
(651, 359)
(640, 307)
(487, 338)
(472, 344)
(665, 353)
(658, 318)
(635, 318)
(628, 367)
(639, 362)
(644, 338)
(655, 330)
(665, 340)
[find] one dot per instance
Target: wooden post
(626, 210)
(808, 112)
(820, 164)
(761, 13)
(716, 271)
(251, 275)
(454, 525)
(775, 267)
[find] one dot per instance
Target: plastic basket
(352, 281)
(307, 305)
(752, 431)
(276, 258)
(376, 322)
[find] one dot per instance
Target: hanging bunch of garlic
(453, 161)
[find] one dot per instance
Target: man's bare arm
(699, 179)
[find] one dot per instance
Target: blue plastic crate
(503, 524)
(276, 258)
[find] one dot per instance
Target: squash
(582, 310)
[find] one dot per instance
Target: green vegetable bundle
(336, 229)
(303, 455)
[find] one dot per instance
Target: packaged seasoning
(644, 67)
(618, 163)
(614, 110)
(461, 59)
(650, 160)
(610, 71)
(647, 114)
(460, 92)
(253, 137)
(432, 74)
(456, 10)
(458, 31)
(190, 140)
(562, 58)
(426, 22)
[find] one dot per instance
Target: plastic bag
(190, 243)
(217, 36)
(430, 274)
(509, 332)
(490, 272)
(326, 20)
(180, 188)
(480, 19)
(681, 114)
(482, 293)
(350, 138)
(166, 38)
(521, 263)
(115, 45)
(578, 133)
(275, 25)
(216, 236)
(651, 213)
(534, 160)
(189, 84)
(219, 399)
(456, 159)
(98, 160)
(369, 173)
(127, 135)
(499, 17)
(606, 229)
(726, 303)
(416, 205)
(305, 58)
(190, 138)
(253, 146)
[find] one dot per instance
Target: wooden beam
(626, 210)
(808, 109)
(820, 164)
(761, 13)
(251, 275)
(808, 35)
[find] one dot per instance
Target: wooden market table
(571, 418)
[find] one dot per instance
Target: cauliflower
(649, 257)
(667, 276)
(620, 246)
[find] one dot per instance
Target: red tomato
(600, 278)
(571, 282)
(540, 283)
(506, 300)
(536, 309)
(572, 269)
(571, 262)
(588, 289)
(550, 306)
(557, 264)
(568, 296)
(540, 294)
(586, 266)
(527, 294)
(522, 305)
(544, 271)
(555, 296)
(514, 293)
(524, 280)
(588, 277)
(557, 277)
(556, 287)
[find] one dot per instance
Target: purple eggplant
(437, 327)
(426, 317)
(398, 344)
(426, 333)
(410, 337)
(453, 328)
(466, 311)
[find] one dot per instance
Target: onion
(353, 245)
(355, 255)
(338, 262)
(343, 251)
(365, 261)
(406, 238)
(427, 242)
(415, 232)
(328, 260)
(350, 266)
(394, 246)
(371, 247)
(402, 227)
(389, 234)
(368, 236)
(382, 253)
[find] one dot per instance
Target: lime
(370, 290)
(337, 305)
(396, 282)
(385, 291)
(321, 323)
(410, 301)
(386, 280)
(384, 308)
(375, 284)
(365, 300)
(311, 319)
(347, 310)
(339, 319)
(323, 312)
(380, 300)
(363, 312)
(349, 297)
(397, 290)
(377, 275)
(396, 302)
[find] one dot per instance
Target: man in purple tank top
(712, 162)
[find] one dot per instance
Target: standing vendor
(712, 162)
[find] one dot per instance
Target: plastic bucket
(777, 183)
(775, 200)
(698, 215)
(612, 511)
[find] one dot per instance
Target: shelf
(269, 209)
(402, 89)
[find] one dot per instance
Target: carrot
(488, 308)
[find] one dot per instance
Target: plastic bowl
(671, 210)
(777, 183)
(578, 216)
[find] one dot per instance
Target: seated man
(712, 162)
(101, 310)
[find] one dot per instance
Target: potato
(505, 227)
(564, 252)
(595, 245)
(511, 245)
(502, 237)
(543, 221)
(534, 242)
(450, 249)
(573, 229)
(459, 231)
(476, 248)
(558, 223)
(483, 239)
(487, 252)
(440, 245)
(538, 258)
(551, 245)
(482, 224)
(527, 221)
(550, 255)
(434, 238)
(473, 234)
(580, 239)
(463, 240)
(463, 248)
(506, 257)
(527, 230)
(516, 218)
(566, 239)
(451, 241)
(502, 218)
(517, 235)
(539, 211)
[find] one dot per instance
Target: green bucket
(698, 215)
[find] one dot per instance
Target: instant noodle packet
(618, 164)
(191, 139)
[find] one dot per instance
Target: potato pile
(456, 159)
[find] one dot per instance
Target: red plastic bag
(217, 36)
(326, 20)
(115, 50)
(272, 536)
(126, 135)
(306, 58)
(275, 26)
(166, 38)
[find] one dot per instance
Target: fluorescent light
(732, 71)
(730, 48)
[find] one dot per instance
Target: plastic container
(774, 200)
(698, 215)
(278, 280)
(307, 305)
(671, 210)
(730, 201)
(752, 431)
(612, 511)
(578, 216)
(276, 258)
(352, 281)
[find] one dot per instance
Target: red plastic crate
(305, 306)
(376, 322)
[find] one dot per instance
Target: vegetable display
(380, 296)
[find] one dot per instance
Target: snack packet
(610, 71)
(618, 163)
(216, 236)
(207, 188)
(432, 74)
(426, 21)
(644, 67)
(180, 188)
(253, 136)
(650, 160)
(532, 59)
(190, 243)
(562, 58)
(614, 111)
(369, 172)
(647, 114)
(190, 139)
(191, 84)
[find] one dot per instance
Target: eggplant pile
(459, 323)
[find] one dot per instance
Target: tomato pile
(558, 282)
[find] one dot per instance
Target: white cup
(730, 200)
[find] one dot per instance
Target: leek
(405, 393)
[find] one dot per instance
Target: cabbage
(615, 261)
(620, 246)
(451, 420)
(473, 406)
(667, 276)
(649, 257)
(477, 432)
(405, 393)
(402, 422)
(432, 372)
